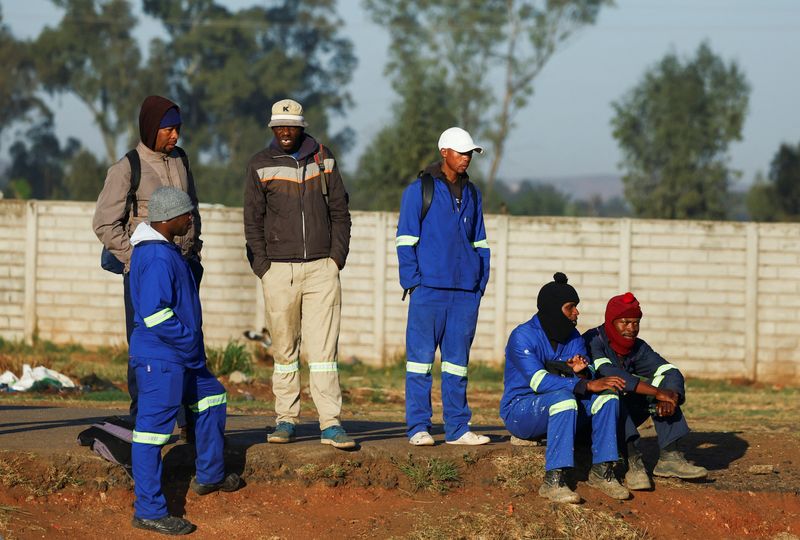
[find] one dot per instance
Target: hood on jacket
(435, 170)
(150, 115)
(144, 232)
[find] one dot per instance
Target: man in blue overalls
(542, 394)
(444, 266)
(168, 356)
(654, 388)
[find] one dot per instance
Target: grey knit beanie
(168, 202)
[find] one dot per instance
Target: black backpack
(427, 193)
(107, 259)
(111, 439)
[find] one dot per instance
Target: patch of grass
(307, 471)
(53, 479)
(516, 471)
(116, 355)
(580, 523)
(105, 395)
(56, 479)
(432, 474)
(573, 523)
(234, 357)
(335, 470)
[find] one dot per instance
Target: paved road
(47, 429)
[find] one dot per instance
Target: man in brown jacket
(297, 227)
(161, 164)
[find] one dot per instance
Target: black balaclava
(550, 300)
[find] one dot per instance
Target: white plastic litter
(8, 378)
(39, 373)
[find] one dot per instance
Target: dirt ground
(753, 492)
(746, 436)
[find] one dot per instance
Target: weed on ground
(516, 471)
(432, 474)
(234, 357)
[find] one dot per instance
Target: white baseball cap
(459, 140)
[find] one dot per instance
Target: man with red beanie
(653, 387)
(160, 162)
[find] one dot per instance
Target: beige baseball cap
(287, 112)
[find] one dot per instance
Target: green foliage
(537, 199)
(777, 198)
(404, 147)
(674, 129)
(515, 37)
(84, 176)
(234, 357)
(38, 162)
(93, 55)
(433, 474)
(226, 68)
(17, 79)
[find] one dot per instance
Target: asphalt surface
(48, 429)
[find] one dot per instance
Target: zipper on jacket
(302, 196)
(165, 158)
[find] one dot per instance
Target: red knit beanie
(621, 307)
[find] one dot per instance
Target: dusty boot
(601, 477)
(636, 478)
(671, 463)
(556, 489)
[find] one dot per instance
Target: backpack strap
(136, 175)
(319, 159)
(427, 195)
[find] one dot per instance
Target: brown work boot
(555, 488)
(672, 463)
(636, 477)
(601, 477)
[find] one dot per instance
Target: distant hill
(607, 186)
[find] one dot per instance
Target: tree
(17, 80)
(38, 163)
(674, 129)
(777, 198)
(226, 69)
(84, 175)
(404, 147)
(537, 199)
(475, 42)
(92, 55)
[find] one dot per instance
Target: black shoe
(171, 525)
(232, 482)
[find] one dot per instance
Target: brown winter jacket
(285, 215)
(158, 169)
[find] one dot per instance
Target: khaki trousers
(303, 306)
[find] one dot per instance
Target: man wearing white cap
(444, 266)
(297, 227)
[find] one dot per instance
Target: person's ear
(443, 152)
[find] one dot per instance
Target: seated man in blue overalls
(168, 355)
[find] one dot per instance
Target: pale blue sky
(565, 129)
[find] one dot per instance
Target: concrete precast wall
(720, 299)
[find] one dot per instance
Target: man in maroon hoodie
(161, 163)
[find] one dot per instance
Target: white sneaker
(421, 438)
(471, 439)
